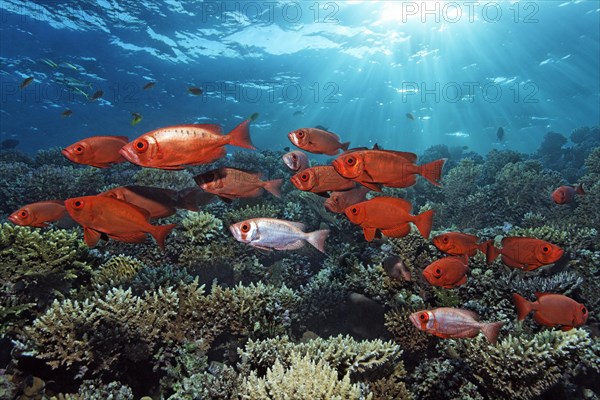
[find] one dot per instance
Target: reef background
(212, 318)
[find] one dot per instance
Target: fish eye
(445, 239)
(294, 157)
(304, 177)
(78, 204)
(300, 134)
(354, 210)
(438, 271)
(23, 214)
(245, 228)
(424, 317)
(350, 160)
(545, 249)
(78, 149)
(141, 145)
(583, 310)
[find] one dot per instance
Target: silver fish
(278, 234)
(296, 160)
(448, 322)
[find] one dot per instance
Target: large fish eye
(294, 157)
(78, 204)
(354, 210)
(300, 134)
(445, 239)
(424, 317)
(78, 149)
(245, 228)
(545, 249)
(23, 214)
(438, 271)
(304, 177)
(350, 161)
(583, 310)
(140, 145)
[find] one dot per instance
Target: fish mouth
(296, 182)
(428, 277)
(414, 318)
(13, 219)
(66, 153)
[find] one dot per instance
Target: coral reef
(118, 328)
(117, 271)
(304, 378)
(249, 212)
(524, 367)
(37, 267)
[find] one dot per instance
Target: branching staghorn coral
(564, 282)
(40, 265)
(203, 239)
(359, 359)
(304, 378)
(98, 390)
(117, 271)
(248, 212)
(403, 331)
(176, 180)
(438, 378)
(101, 332)
(524, 367)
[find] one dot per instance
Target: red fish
(296, 160)
(525, 253)
(159, 203)
(390, 215)
(372, 168)
(232, 183)
(39, 214)
(339, 201)
(553, 310)
(458, 244)
(176, 147)
(448, 272)
(115, 218)
(566, 194)
(454, 323)
(97, 151)
(317, 141)
(321, 179)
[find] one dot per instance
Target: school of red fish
(124, 213)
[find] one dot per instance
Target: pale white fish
(277, 234)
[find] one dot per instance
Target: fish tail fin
(523, 306)
(160, 233)
(274, 187)
(240, 135)
(492, 330)
(579, 189)
(433, 171)
(345, 146)
(423, 222)
(317, 239)
(491, 252)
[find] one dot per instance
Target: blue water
(356, 68)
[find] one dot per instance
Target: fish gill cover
(435, 236)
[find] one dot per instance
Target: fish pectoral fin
(100, 165)
(262, 249)
(373, 186)
(369, 233)
(91, 237)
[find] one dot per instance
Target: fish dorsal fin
(539, 295)
(508, 240)
(124, 138)
(298, 225)
(410, 157)
(257, 174)
(60, 202)
(144, 212)
(471, 314)
(209, 127)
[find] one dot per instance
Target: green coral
(97, 390)
(119, 328)
(203, 240)
(587, 212)
(38, 266)
(524, 367)
(304, 378)
(176, 180)
(117, 271)
(249, 212)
